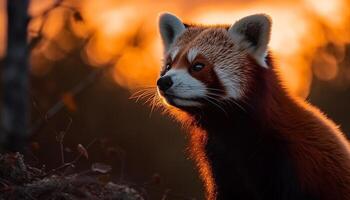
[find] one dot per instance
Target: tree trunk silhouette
(15, 83)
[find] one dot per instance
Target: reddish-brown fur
(318, 150)
(273, 146)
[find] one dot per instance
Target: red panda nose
(164, 83)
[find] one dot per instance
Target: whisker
(148, 100)
(207, 98)
(232, 101)
(146, 86)
(215, 89)
(140, 93)
(143, 90)
(141, 96)
(238, 105)
(153, 104)
(211, 96)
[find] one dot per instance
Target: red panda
(250, 137)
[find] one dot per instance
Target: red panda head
(207, 64)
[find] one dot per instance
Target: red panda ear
(170, 28)
(253, 31)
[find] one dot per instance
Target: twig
(62, 151)
(59, 136)
(69, 164)
(62, 135)
(122, 155)
(165, 194)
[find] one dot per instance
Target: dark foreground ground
(18, 180)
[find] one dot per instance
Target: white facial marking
(185, 87)
(183, 102)
(192, 54)
(261, 59)
(229, 81)
(173, 53)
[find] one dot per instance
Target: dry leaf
(69, 101)
(81, 149)
(101, 168)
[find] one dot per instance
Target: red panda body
(261, 143)
(277, 148)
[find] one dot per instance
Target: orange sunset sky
(301, 30)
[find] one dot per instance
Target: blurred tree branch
(14, 116)
(37, 35)
(73, 92)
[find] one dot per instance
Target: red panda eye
(197, 67)
(167, 67)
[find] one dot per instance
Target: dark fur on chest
(248, 159)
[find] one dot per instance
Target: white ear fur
(170, 28)
(255, 30)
